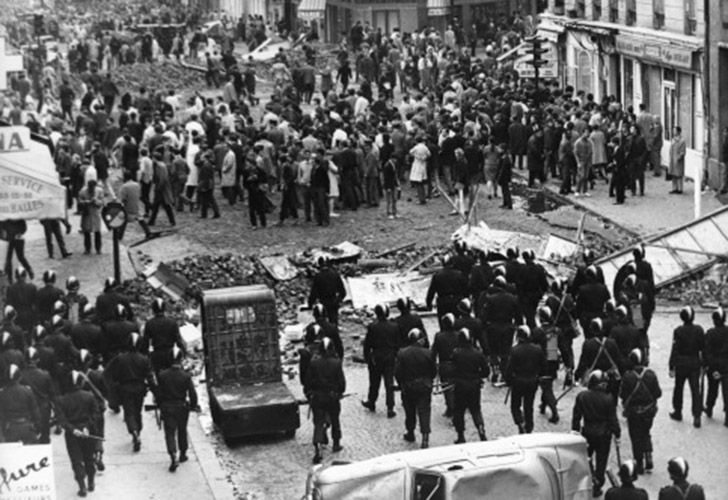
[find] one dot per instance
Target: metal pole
(117, 265)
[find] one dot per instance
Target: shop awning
(437, 8)
(30, 185)
(311, 9)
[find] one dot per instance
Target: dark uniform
(328, 330)
(16, 333)
(527, 361)
(598, 410)
(328, 288)
(408, 320)
(21, 295)
(500, 313)
(469, 369)
(590, 301)
(562, 305)
(601, 353)
(626, 493)
(106, 304)
(547, 337)
(477, 332)
(450, 286)
(45, 298)
(87, 335)
(380, 348)
(65, 357)
(79, 409)
(19, 416)
(174, 388)
(716, 361)
(129, 374)
(414, 370)
(682, 491)
(534, 285)
(481, 277)
(115, 338)
(688, 345)
(326, 384)
(627, 337)
(163, 334)
(639, 393)
(442, 348)
(41, 384)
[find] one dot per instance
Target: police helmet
(84, 356)
(32, 354)
(120, 311)
(464, 335)
(628, 471)
(465, 306)
(38, 332)
(500, 281)
(415, 335)
(591, 272)
(635, 356)
(499, 271)
(448, 321)
(622, 311)
(158, 305)
(719, 316)
(610, 306)
(177, 354)
(77, 378)
(678, 467)
(7, 340)
(134, 339)
(687, 314)
(404, 304)
(523, 333)
(49, 276)
(72, 283)
(88, 310)
(596, 378)
(381, 310)
(21, 273)
(596, 327)
(13, 372)
(59, 307)
(544, 314)
(319, 310)
(10, 312)
(57, 321)
(110, 284)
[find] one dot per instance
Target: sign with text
(26, 472)
(14, 139)
(664, 53)
(25, 197)
(549, 70)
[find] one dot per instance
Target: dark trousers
(87, 241)
(207, 201)
(159, 202)
(109, 103)
(639, 427)
(517, 159)
(535, 172)
(161, 359)
(190, 195)
(507, 198)
(17, 247)
(381, 368)
(256, 206)
(320, 206)
(417, 400)
(692, 376)
(289, 204)
(713, 386)
(599, 444)
(523, 392)
(372, 191)
(44, 409)
(146, 189)
(326, 410)
(132, 402)
(332, 311)
(174, 418)
(81, 452)
(500, 340)
(566, 349)
(21, 431)
(546, 383)
(637, 180)
(306, 200)
(467, 397)
(52, 228)
(447, 304)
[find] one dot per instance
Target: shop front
(666, 78)
(439, 14)
(313, 15)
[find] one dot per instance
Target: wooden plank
(390, 251)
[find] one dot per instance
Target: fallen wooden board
(372, 289)
(279, 267)
(390, 251)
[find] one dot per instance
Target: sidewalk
(128, 475)
(652, 213)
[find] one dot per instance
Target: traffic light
(535, 49)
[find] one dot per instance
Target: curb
(210, 466)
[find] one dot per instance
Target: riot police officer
(601, 353)
(501, 313)
(19, 416)
(626, 335)
(534, 285)
(116, 332)
(590, 299)
(86, 334)
(639, 392)
(598, 412)
(380, 348)
(326, 329)
(41, 384)
(686, 360)
(680, 489)
(547, 336)
(414, 370)
(627, 490)
(325, 385)
(407, 320)
(526, 362)
(442, 348)
(466, 319)
(449, 285)
(176, 395)
(163, 334)
(716, 361)
(328, 289)
(469, 369)
(107, 301)
(47, 296)
(561, 304)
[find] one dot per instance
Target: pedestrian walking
(676, 171)
(163, 196)
(414, 371)
(470, 367)
(688, 346)
(51, 229)
(163, 335)
(13, 232)
(450, 286)
(716, 363)
(90, 201)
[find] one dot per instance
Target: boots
(100, 461)
(183, 456)
(174, 464)
(425, 441)
(696, 422)
(136, 442)
(81, 487)
(317, 454)
(481, 433)
(409, 436)
(461, 438)
(91, 483)
(639, 466)
(337, 446)
(648, 461)
(521, 429)
(554, 416)
(676, 415)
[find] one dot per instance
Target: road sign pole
(117, 260)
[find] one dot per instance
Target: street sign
(548, 65)
(8, 64)
(114, 215)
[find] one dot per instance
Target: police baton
(508, 395)
(619, 453)
(565, 392)
(443, 389)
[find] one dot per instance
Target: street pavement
(652, 213)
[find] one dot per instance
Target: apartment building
(647, 52)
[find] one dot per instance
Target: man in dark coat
(469, 369)
(19, 416)
(22, 296)
(686, 360)
(600, 353)
(500, 313)
(328, 289)
(41, 383)
(380, 349)
(535, 155)
(450, 286)
(47, 296)
(716, 361)
(518, 136)
(162, 333)
(526, 362)
(408, 320)
(443, 347)
(414, 370)
(590, 299)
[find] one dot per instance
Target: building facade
(717, 63)
(647, 52)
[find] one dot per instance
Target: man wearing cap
(686, 361)
(526, 362)
(627, 490)
(325, 385)
(41, 383)
(19, 416)
(414, 370)
(175, 396)
(47, 296)
(129, 375)
(79, 409)
(380, 349)
(680, 489)
(469, 369)
(598, 411)
(328, 289)
(716, 362)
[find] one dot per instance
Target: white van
(544, 466)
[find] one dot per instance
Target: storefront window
(631, 17)
(584, 72)
(691, 22)
(669, 111)
(597, 10)
(614, 11)
(658, 9)
(628, 74)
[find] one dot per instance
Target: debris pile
(707, 289)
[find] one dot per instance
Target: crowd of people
(64, 359)
(482, 308)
